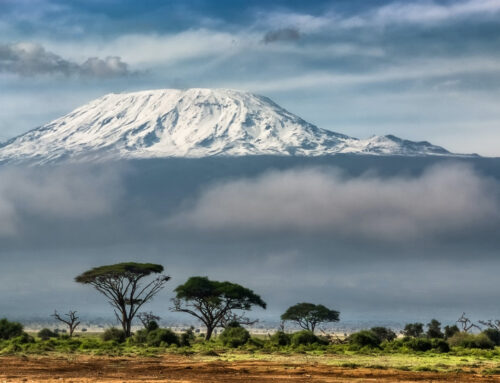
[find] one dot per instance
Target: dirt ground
(176, 369)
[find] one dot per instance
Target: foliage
(120, 284)
(280, 338)
(463, 339)
(414, 330)
(309, 315)
(306, 337)
(162, 336)
(114, 334)
(187, 337)
(440, 345)
(234, 336)
(449, 331)
(213, 301)
(46, 334)
(9, 330)
(383, 334)
(493, 334)
(364, 338)
(434, 329)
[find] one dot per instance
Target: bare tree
(495, 324)
(147, 319)
(466, 323)
(70, 319)
(232, 317)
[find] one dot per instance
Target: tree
(466, 323)
(449, 331)
(309, 315)
(121, 285)
(72, 321)
(414, 330)
(149, 320)
(434, 329)
(212, 302)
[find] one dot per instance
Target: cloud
(444, 201)
(284, 34)
(29, 195)
(30, 59)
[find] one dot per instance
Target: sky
(422, 70)
(384, 239)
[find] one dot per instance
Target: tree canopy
(309, 315)
(212, 302)
(120, 283)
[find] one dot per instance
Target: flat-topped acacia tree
(212, 301)
(309, 315)
(121, 284)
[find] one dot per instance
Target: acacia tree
(212, 302)
(121, 284)
(309, 315)
(71, 320)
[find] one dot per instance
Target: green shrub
(364, 338)
(45, 334)
(418, 344)
(9, 330)
(152, 325)
(115, 334)
(22, 339)
(305, 338)
(493, 334)
(383, 334)
(234, 336)
(465, 340)
(187, 337)
(449, 331)
(414, 330)
(440, 345)
(280, 338)
(162, 337)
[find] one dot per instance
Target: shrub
(161, 337)
(45, 334)
(280, 338)
(152, 325)
(418, 344)
(23, 339)
(463, 339)
(449, 331)
(364, 338)
(414, 330)
(434, 329)
(493, 334)
(114, 334)
(187, 337)
(305, 338)
(10, 330)
(234, 336)
(383, 334)
(440, 345)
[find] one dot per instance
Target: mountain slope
(190, 123)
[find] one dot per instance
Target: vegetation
(212, 302)
(120, 284)
(70, 319)
(9, 330)
(309, 315)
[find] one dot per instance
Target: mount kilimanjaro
(191, 123)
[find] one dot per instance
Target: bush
(493, 334)
(365, 338)
(414, 330)
(418, 344)
(9, 330)
(280, 338)
(383, 334)
(449, 331)
(305, 338)
(162, 337)
(234, 336)
(45, 334)
(152, 325)
(114, 334)
(463, 339)
(187, 337)
(440, 345)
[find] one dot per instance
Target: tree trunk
(208, 335)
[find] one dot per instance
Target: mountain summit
(190, 123)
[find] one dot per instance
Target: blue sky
(417, 69)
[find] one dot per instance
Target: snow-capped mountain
(190, 123)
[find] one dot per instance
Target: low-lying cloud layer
(29, 59)
(445, 201)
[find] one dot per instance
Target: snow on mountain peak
(190, 123)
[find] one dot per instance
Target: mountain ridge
(191, 123)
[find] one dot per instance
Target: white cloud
(444, 201)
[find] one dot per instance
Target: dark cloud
(28, 59)
(284, 34)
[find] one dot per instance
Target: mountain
(191, 123)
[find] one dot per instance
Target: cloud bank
(443, 201)
(29, 59)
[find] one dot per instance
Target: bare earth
(175, 369)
